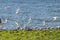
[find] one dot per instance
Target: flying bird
(17, 24)
(29, 20)
(17, 11)
(55, 18)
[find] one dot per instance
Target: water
(29, 13)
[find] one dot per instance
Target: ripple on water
(29, 13)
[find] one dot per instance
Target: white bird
(17, 24)
(55, 18)
(29, 20)
(17, 11)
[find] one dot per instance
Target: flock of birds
(29, 21)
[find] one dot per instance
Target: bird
(17, 11)
(29, 20)
(17, 24)
(55, 18)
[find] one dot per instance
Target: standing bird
(17, 11)
(55, 18)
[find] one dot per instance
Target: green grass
(30, 35)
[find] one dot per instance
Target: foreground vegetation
(30, 35)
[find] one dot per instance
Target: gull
(55, 18)
(17, 11)
(30, 19)
(17, 24)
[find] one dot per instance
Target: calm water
(31, 13)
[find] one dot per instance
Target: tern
(29, 20)
(17, 11)
(17, 24)
(55, 18)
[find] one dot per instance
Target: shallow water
(31, 13)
